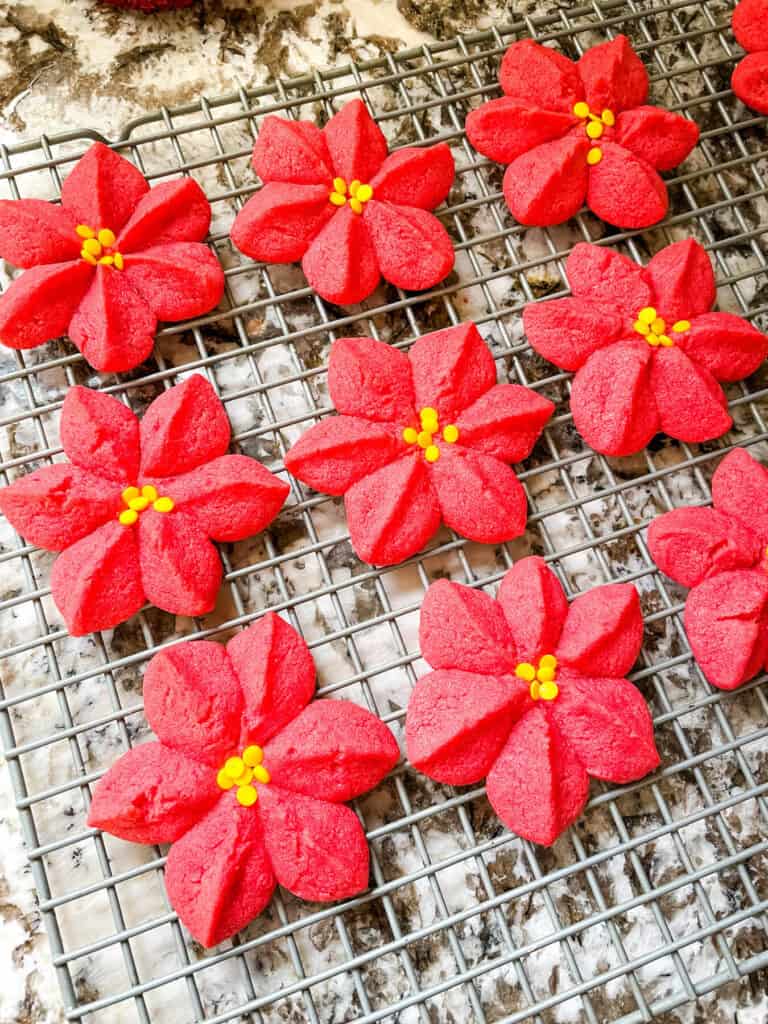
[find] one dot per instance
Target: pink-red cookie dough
(335, 200)
(580, 131)
(647, 351)
(422, 438)
(528, 693)
(135, 509)
(108, 263)
(721, 554)
(246, 779)
(750, 77)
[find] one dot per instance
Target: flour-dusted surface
(464, 921)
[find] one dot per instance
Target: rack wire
(658, 895)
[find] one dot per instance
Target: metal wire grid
(658, 895)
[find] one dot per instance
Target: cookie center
(242, 772)
(653, 328)
(425, 438)
(357, 194)
(594, 125)
(541, 677)
(98, 247)
(137, 500)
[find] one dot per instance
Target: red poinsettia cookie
(247, 779)
(135, 509)
(721, 553)
(575, 131)
(529, 693)
(750, 77)
(423, 438)
(647, 351)
(108, 263)
(334, 200)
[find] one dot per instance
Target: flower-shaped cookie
(135, 509)
(423, 438)
(334, 200)
(247, 779)
(575, 131)
(647, 351)
(750, 77)
(108, 263)
(529, 693)
(721, 554)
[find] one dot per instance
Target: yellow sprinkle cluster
(594, 126)
(357, 194)
(97, 247)
(137, 500)
(425, 437)
(242, 772)
(654, 329)
(541, 678)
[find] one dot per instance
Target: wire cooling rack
(658, 894)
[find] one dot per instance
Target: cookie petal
(356, 143)
(538, 787)
(603, 631)
(540, 76)
(318, 849)
(39, 305)
(451, 368)
(180, 568)
(337, 452)
(218, 875)
(725, 619)
(183, 428)
(690, 544)
(479, 496)
(340, 263)
(691, 404)
(113, 326)
(292, 152)
(393, 512)
(614, 77)
(96, 582)
(505, 422)
(413, 249)
(625, 190)
(750, 81)
(231, 497)
(276, 673)
(33, 231)
(371, 379)
(416, 176)
(177, 280)
(465, 629)
(740, 490)
(279, 222)
(682, 281)
(457, 723)
(657, 136)
(100, 434)
(505, 128)
(103, 189)
(57, 505)
(152, 795)
(749, 24)
(547, 185)
(535, 606)
(193, 701)
(728, 346)
(567, 331)
(607, 725)
(611, 399)
(606, 277)
(173, 211)
(334, 750)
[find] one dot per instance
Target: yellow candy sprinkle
(84, 231)
(653, 340)
(129, 493)
(119, 261)
(534, 690)
(163, 505)
(149, 491)
(354, 186)
(337, 199)
(247, 796)
(548, 690)
(139, 504)
(451, 434)
(253, 755)
(106, 237)
(428, 417)
(681, 325)
(234, 766)
(666, 341)
(647, 315)
(261, 774)
(357, 206)
(525, 671)
(364, 193)
(128, 516)
(93, 246)
(410, 436)
(107, 261)
(224, 781)
(244, 778)
(581, 109)
(89, 257)
(595, 129)
(642, 328)
(340, 185)
(594, 156)
(424, 439)
(548, 661)
(432, 453)
(608, 118)
(545, 674)
(658, 326)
